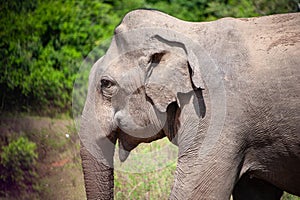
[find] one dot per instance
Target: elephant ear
(172, 71)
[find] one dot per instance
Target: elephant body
(225, 92)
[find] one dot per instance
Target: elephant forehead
(121, 66)
(146, 18)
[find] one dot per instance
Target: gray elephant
(225, 92)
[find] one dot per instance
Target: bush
(18, 161)
(41, 48)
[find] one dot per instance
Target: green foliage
(206, 10)
(263, 7)
(42, 43)
(287, 196)
(18, 162)
(42, 49)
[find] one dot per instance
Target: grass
(146, 180)
(154, 185)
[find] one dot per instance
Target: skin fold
(225, 92)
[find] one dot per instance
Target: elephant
(226, 92)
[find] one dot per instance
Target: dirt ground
(59, 169)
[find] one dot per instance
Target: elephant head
(137, 91)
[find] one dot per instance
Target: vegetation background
(42, 45)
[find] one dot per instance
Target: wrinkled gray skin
(158, 89)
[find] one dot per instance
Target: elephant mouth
(127, 142)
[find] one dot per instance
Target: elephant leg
(251, 188)
(212, 179)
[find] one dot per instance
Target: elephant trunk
(98, 138)
(98, 177)
(97, 151)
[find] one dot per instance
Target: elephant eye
(107, 87)
(106, 83)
